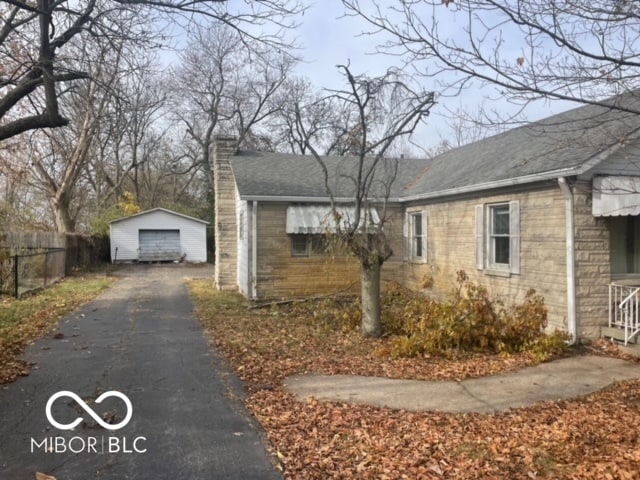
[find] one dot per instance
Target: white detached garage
(158, 235)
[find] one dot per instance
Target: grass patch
(25, 319)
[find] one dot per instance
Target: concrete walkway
(560, 379)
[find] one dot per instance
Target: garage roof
(146, 212)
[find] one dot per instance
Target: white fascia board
(158, 209)
(278, 199)
(509, 182)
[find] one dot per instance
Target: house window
(498, 237)
(318, 245)
(299, 246)
(416, 236)
(308, 245)
(625, 245)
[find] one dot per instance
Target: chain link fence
(34, 260)
(30, 269)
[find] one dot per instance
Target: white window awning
(318, 219)
(615, 196)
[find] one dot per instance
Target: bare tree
(61, 156)
(382, 111)
(576, 50)
(306, 117)
(34, 40)
(129, 133)
(224, 85)
(466, 127)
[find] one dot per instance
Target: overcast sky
(329, 38)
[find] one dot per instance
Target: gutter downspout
(254, 250)
(571, 260)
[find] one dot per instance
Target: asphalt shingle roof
(564, 142)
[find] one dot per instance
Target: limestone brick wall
(226, 235)
(593, 266)
(451, 237)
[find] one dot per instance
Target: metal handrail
(631, 295)
(624, 314)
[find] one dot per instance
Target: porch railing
(624, 309)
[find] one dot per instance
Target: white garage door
(159, 245)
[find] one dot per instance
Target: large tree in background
(308, 117)
(60, 156)
(130, 135)
(577, 50)
(34, 39)
(226, 85)
(378, 113)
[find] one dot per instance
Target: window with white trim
(417, 252)
(498, 237)
(415, 236)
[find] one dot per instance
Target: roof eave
(301, 199)
(533, 178)
(509, 182)
(155, 210)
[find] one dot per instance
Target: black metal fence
(30, 269)
(33, 260)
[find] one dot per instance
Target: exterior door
(625, 245)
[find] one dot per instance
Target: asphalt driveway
(139, 338)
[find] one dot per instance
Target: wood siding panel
(282, 275)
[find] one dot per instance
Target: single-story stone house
(553, 205)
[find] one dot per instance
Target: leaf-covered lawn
(28, 318)
(595, 437)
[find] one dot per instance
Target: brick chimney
(226, 231)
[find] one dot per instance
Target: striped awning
(319, 219)
(615, 196)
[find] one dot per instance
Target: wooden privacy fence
(30, 261)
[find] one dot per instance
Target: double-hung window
(416, 236)
(498, 237)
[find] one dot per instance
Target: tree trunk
(370, 282)
(64, 221)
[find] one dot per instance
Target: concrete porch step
(617, 334)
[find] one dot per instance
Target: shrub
(469, 320)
